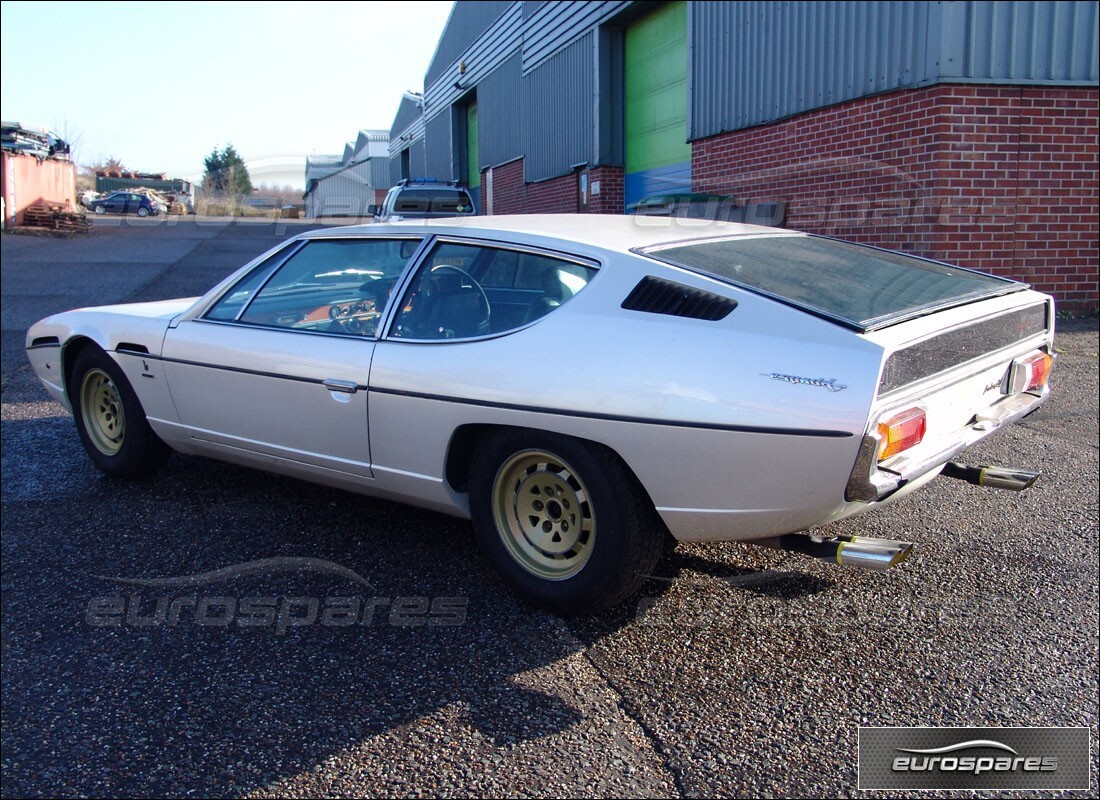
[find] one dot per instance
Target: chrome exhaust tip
(1015, 480)
(878, 555)
(873, 554)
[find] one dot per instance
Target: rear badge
(824, 383)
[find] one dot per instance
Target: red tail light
(1031, 372)
(900, 431)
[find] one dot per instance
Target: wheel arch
(466, 439)
(69, 354)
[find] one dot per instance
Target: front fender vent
(130, 347)
(660, 296)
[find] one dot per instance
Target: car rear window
(859, 286)
(448, 201)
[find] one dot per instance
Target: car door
(116, 203)
(454, 348)
(276, 369)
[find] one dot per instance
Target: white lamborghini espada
(580, 386)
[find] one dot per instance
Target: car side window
(231, 303)
(463, 291)
(328, 286)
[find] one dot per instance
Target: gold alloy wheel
(543, 514)
(101, 410)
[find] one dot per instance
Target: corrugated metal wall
(380, 172)
(437, 149)
(417, 168)
(754, 62)
(418, 159)
(407, 113)
(559, 128)
(498, 42)
(27, 180)
(750, 63)
(554, 25)
(346, 193)
(173, 186)
(468, 20)
(502, 113)
(1020, 42)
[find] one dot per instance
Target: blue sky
(159, 85)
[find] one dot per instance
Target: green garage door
(473, 174)
(658, 157)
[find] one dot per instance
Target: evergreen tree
(226, 172)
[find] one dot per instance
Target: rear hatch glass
(858, 286)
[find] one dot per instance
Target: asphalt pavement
(737, 672)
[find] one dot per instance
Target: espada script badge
(824, 383)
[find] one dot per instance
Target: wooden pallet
(55, 217)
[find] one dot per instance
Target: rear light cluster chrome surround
(878, 473)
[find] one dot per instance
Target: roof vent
(659, 296)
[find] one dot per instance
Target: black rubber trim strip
(41, 343)
(825, 434)
(241, 370)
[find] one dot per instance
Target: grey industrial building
(965, 131)
(346, 185)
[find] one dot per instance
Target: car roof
(432, 187)
(608, 231)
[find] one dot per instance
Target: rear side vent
(658, 296)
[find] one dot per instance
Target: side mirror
(372, 210)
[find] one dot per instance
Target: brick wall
(1002, 179)
(509, 190)
(511, 195)
(554, 196)
(612, 190)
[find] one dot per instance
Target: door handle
(349, 387)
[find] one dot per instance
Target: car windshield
(862, 287)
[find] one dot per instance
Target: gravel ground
(737, 672)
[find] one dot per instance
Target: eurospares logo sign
(974, 758)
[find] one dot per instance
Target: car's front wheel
(110, 419)
(563, 521)
(101, 209)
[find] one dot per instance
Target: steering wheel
(443, 315)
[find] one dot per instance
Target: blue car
(125, 203)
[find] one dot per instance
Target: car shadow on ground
(229, 683)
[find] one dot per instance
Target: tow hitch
(1015, 480)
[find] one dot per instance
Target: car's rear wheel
(563, 521)
(143, 211)
(110, 419)
(101, 209)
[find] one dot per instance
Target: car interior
(461, 291)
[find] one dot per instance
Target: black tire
(142, 211)
(564, 522)
(110, 419)
(101, 209)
